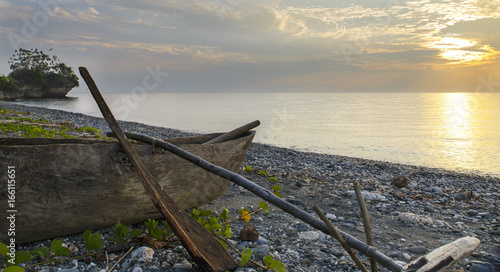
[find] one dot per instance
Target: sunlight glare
(462, 50)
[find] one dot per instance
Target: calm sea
(456, 131)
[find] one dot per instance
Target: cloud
(263, 43)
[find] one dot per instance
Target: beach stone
(331, 216)
(495, 232)
(303, 227)
(471, 213)
(406, 256)
(400, 182)
(242, 245)
(68, 270)
(260, 252)
(461, 197)
(309, 235)
(137, 269)
(482, 267)
(143, 254)
(437, 190)
(183, 266)
(249, 233)
(261, 241)
(418, 250)
(429, 209)
(125, 264)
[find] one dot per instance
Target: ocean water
(454, 131)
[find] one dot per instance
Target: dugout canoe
(66, 186)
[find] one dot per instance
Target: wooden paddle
(205, 250)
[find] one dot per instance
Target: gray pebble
(260, 252)
(437, 190)
(261, 241)
(429, 209)
(471, 212)
(183, 266)
(461, 197)
(482, 267)
(418, 250)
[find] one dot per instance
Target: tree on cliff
(34, 69)
(36, 74)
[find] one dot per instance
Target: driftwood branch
(366, 223)
(271, 198)
(235, 132)
(336, 235)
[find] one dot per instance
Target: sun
(462, 51)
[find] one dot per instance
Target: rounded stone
(482, 267)
(418, 250)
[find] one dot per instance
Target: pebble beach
(413, 210)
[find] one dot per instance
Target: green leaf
(273, 179)
(4, 249)
(117, 239)
(195, 213)
(277, 194)
(227, 231)
(13, 269)
(276, 188)
(206, 213)
(245, 256)
(277, 266)
(135, 233)
(121, 229)
(95, 244)
(86, 235)
(273, 264)
(156, 233)
(55, 245)
(263, 205)
(63, 251)
(96, 236)
(213, 220)
(267, 259)
(224, 215)
(263, 173)
(222, 243)
(248, 168)
(42, 251)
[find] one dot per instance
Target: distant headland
(36, 75)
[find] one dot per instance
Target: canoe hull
(67, 186)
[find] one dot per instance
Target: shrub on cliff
(36, 69)
(7, 83)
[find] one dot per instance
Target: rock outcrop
(34, 91)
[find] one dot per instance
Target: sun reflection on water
(461, 129)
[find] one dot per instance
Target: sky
(264, 45)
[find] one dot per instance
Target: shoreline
(81, 119)
(311, 178)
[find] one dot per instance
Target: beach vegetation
(248, 168)
(7, 83)
(93, 241)
(34, 67)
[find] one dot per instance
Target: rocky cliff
(35, 91)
